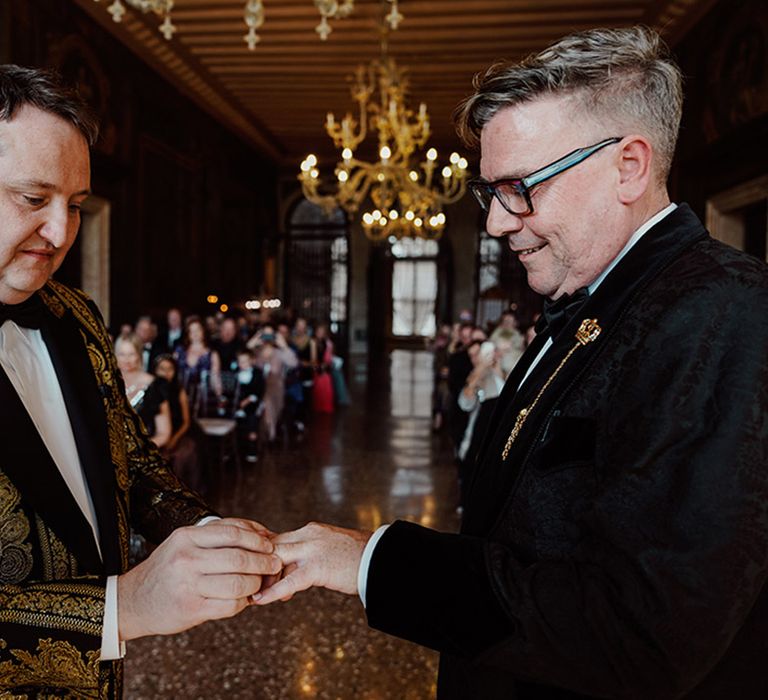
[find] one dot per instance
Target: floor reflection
(374, 462)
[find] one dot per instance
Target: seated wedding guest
(146, 332)
(228, 344)
(199, 364)
(322, 390)
(250, 401)
(509, 341)
(274, 358)
(306, 350)
(125, 329)
(483, 386)
(459, 367)
(169, 337)
(441, 395)
(183, 449)
(212, 326)
(146, 394)
(294, 390)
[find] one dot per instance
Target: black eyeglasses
(514, 193)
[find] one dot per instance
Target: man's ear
(634, 164)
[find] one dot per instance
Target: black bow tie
(557, 313)
(28, 314)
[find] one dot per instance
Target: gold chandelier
(408, 196)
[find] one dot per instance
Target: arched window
(317, 266)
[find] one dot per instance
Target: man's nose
(500, 222)
(56, 227)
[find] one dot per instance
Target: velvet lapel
(28, 464)
(495, 478)
(85, 409)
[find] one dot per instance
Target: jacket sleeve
(670, 548)
(68, 609)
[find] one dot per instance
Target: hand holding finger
(246, 524)
(236, 561)
(225, 533)
(228, 586)
(299, 579)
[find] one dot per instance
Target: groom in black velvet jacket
(615, 539)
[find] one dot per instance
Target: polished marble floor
(375, 461)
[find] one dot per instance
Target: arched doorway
(317, 268)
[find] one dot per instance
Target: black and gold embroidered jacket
(52, 579)
(615, 534)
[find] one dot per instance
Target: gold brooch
(588, 332)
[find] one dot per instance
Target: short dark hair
(45, 90)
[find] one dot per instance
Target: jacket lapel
(28, 464)
(495, 479)
(85, 410)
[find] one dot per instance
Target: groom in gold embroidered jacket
(76, 467)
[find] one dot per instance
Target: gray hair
(623, 78)
(44, 90)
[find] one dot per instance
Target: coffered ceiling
(277, 96)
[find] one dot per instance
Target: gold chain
(588, 331)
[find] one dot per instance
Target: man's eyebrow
(499, 179)
(43, 185)
(39, 184)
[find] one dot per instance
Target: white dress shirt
(365, 561)
(25, 359)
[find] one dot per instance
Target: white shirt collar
(636, 236)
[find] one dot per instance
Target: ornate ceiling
(277, 96)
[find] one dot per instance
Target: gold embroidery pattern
(73, 607)
(64, 297)
(123, 530)
(53, 304)
(15, 554)
(58, 562)
(57, 664)
(588, 332)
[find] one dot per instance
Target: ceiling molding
(277, 96)
(181, 69)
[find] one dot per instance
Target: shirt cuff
(207, 519)
(111, 646)
(365, 562)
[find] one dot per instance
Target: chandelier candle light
(408, 196)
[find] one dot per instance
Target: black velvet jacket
(621, 549)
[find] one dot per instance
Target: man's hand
(197, 574)
(316, 555)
